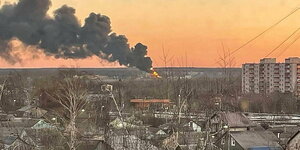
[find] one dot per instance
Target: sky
(190, 32)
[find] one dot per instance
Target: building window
(232, 142)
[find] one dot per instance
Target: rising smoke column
(62, 35)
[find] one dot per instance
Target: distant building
(146, 103)
(269, 76)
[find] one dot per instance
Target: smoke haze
(62, 35)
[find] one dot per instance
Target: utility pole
(2, 91)
(180, 106)
(109, 88)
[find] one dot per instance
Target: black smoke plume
(62, 36)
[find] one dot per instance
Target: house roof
(19, 123)
(187, 122)
(250, 139)
(33, 109)
(9, 135)
(235, 119)
(42, 124)
(8, 140)
(25, 108)
(169, 125)
(153, 130)
(6, 131)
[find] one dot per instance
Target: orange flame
(154, 73)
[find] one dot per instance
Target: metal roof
(251, 139)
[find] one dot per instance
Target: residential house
(154, 135)
(222, 122)
(15, 139)
(234, 131)
(42, 124)
(195, 126)
(14, 143)
(24, 130)
(156, 131)
(182, 141)
(233, 121)
(248, 140)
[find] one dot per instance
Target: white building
(269, 76)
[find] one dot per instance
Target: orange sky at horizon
(192, 29)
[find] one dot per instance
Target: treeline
(20, 88)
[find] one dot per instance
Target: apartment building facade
(269, 76)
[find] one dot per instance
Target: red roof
(150, 100)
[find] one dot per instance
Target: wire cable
(269, 28)
(273, 50)
(297, 38)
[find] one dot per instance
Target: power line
(282, 42)
(265, 30)
(297, 38)
(272, 26)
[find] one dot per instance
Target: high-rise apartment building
(269, 76)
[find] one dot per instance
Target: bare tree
(228, 85)
(182, 100)
(71, 94)
(14, 93)
(226, 61)
(166, 60)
